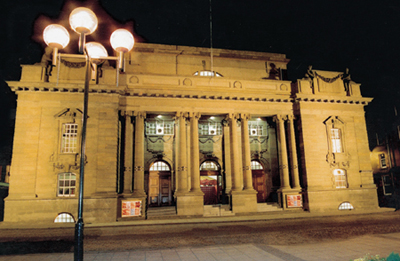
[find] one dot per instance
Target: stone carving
(134, 80)
(346, 81)
(310, 75)
(284, 87)
(46, 61)
(237, 84)
(274, 72)
(187, 82)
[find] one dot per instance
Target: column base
(190, 204)
(244, 201)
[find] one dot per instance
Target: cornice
(334, 99)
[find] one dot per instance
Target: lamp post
(83, 21)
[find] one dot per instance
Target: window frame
(336, 140)
(69, 138)
(340, 178)
(70, 188)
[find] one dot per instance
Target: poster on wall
(131, 208)
(294, 201)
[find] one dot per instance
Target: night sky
(329, 35)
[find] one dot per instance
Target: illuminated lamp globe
(83, 20)
(96, 52)
(122, 40)
(56, 36)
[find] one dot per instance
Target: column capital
(140, 114)
(181, 114)
(126, 113)
(291, 117)
(196, 115)
(245, 116)
(232, 116)
(279, 117)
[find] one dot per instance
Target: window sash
(69, 141)
(159, 128)
(340, 178)
(66, 185)
(336, 139)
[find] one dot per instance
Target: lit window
(387, 185)
(69, 142)
(336, 138)
(159, 166)
(66, 184)
(207, 73)
(210, 128)
(340, 178)
(64, 218)
(256, 165)
(346, 206)
(159, 127)
(382, 161)
(257, 128)
(208, 165)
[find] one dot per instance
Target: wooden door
(259, 184)
(154, 188)
(165, 191)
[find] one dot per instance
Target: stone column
(181, 177)
(293, 155)
(237, 178)
(227, 157)
(194, 152)
(128, 154)
(138, 183)
(246, 156)
(283, 156)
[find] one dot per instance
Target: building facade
(191, 128)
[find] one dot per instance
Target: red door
(259, 184)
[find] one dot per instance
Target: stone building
(188, 127)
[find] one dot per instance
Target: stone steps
(268, 207)
(217, 211)
(161, 212)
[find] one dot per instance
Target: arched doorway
(259, 181)
(210, 182)
(159, 185)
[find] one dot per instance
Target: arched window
(208, 165)
(66, 184)
(256, 165)
(340, 178)
(64, 218)
(159, 166)
(207, 73)
(346, 206)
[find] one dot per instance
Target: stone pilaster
(283, 155)
(128, 157)
(237, 177)
(246, 156)
(138, 183)
(293, 155)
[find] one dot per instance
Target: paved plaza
(350, 249)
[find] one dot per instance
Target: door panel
(165, 191)
(259, 184)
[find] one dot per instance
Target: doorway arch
(211, 182)
(159, 185)
(259, 180)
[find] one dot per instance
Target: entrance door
(159, 185)
(259, 184)
(259, 181)
(210, 182)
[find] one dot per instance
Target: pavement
(350, 249)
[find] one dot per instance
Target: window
(159, 166)
(387, 185)
(382, 161)
(207, 73)
(159, 127)
(340, 178)
(210, 128)
(256, 165)
(69, 142)
(346, 206)
(66, 184)
(257, 128)
(336, 138)
(64, 218)
(208, 165)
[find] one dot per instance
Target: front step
(217, 211)
(161, 212)
(268, 207)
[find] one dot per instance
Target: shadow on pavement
(14, 248)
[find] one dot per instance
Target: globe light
(56, 36)
(96, 52)
(122, 40)
(83, 20)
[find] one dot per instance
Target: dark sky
(329, 35)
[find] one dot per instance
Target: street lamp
(83, 21)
